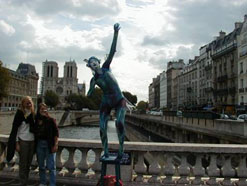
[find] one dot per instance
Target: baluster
(140, 167)
(70, 164)
(183, 170)
(227, 171)
(169, 169)
(96, 167)
(154, 168)
(83, 166)
(2, 155)
(198, 170)
(242, 171)
(212, 170)
(59, 164)
(34, 165)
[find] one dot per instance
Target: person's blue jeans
(46, 160)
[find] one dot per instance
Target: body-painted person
(112, 95)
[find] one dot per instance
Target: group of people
(39, 133)
(34, 133)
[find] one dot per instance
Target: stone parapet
(169, 163)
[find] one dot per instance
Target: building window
(241, 83)
(48, 71)
(241, 67)
(51, 71)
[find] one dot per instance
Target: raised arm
(113, 47)
(91, 89)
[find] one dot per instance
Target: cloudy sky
(152, 33)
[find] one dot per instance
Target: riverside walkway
(169, 164)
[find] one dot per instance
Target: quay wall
(63, 119)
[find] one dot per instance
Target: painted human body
(112, 95)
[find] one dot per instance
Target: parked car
(224, 116)
(179, 113)
(242, 117)
(156, 113)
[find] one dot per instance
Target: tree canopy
(51, 99)
(131, 98)
(77, 102)
(4, 81)
(96, 97)
(142, 105)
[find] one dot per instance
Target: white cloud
(6, 28)
(152, 33)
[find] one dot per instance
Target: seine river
(90, 133)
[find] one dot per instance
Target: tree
(96, 97)
(88, 103)
(78, 102)
(142, 106)
(74, 101)
(131, 98)
(51, 98)
(4, 81)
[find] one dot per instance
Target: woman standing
(47, 144)
(22, 138)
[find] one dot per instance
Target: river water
(90, 133)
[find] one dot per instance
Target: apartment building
(151, 96)
(23, 82)
(163, 90)
(225, 67)
(188, 85)
(242, 64)
(173, 69)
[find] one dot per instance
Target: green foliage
(51, 98)
(4, 81)
(130, 97)
(96, 97)
(142, 106)
(77, 102)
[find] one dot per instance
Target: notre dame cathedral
(62, 86)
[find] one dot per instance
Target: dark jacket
(51, 129)
(18, 119)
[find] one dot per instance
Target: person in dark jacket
(21, 138)
(47, 144)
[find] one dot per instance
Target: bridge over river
(168, 163)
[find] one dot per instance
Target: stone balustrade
(169, 163)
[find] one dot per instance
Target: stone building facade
(151, 95)
(242, 64)
(163, 90)
(188, 85)
(173, 69)
(23, 82)
(62, 86)
(225, 67)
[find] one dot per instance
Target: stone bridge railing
(176, 128)
(172, 163)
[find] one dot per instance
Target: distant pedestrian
(47, 144)
(21, 138)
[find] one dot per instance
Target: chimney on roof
(245, 17)
(238, 25)
(222, 34)
(180, 60)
